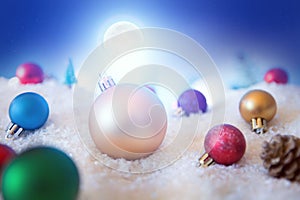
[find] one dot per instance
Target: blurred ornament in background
(6, 155)
(277, 75)
(27, 111)
(258, 107)
(30, 73)
(191, 101)
(224, 144)
(42, 173)
(70, 78)
(127, 121)
(114, 38)
(245, 73)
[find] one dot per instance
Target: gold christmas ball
(257, 104)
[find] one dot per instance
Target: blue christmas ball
(29, 110)
(192, 101)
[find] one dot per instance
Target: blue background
(266, 33)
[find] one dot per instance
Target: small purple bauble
(192, 101)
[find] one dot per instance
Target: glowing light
(118, 28)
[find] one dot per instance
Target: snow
(172, 172)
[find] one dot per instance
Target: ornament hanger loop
(13, 131)
(205, 160)
(106, 82)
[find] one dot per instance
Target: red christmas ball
(276, 75)
(6, 154)
(30, 73)
(225, 144)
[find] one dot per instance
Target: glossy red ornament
(6, 154)
(276, 75)
(30, 73)
(224, 144)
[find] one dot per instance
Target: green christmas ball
(41, 173)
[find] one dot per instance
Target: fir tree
(70, 77)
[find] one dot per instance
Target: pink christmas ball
(30, 73)
(225, 144)
(276, 75)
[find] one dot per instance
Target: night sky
(51, 32)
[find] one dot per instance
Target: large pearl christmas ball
(30, 73)
(192, 101)
(29, 110)
(6, 155)
(225, 144)
(127, 122)
(257, 104)
(42, 173)
(276, 75)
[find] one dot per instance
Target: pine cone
(281, 157)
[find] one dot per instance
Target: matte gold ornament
(281, 157)
(127, 121)
(258, 107)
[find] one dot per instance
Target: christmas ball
(29, 110)
(258, 107)
(41, 173)
(192, 101)
(30, 73)
(276, 75)
(6, 155)
(225, 144)
(127, 122)
(257, 103)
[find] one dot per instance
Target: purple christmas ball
(192, 101)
